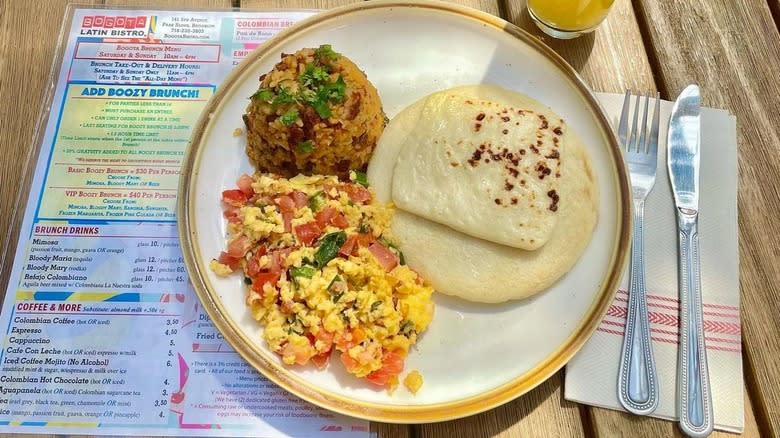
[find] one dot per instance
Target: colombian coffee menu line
(87, 378)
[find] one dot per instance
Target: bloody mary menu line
(103, 333)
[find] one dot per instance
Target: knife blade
(694, 399)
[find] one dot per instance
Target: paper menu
(103, 332)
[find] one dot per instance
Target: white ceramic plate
(473, 357)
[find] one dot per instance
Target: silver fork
(637, 378)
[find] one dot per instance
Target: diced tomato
(348, 248)
(384, 256)
(324, 337)
(253, 265)
(285, 203)
(349, 340)
(365, 239)
(230, 261)
(232, 215)
(287, 217)
(306, 233)
(348, 361)
(278, 258)
(392, 365)
(245, 184)
(340, 221)
(324, 216)
(321, 360)
(357, 193)
(234, 197)
(330, 216)
(239, 246)
(261, 278)
(301, 354)
(300, 199)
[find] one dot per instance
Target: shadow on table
(575, 51)
(548, 397)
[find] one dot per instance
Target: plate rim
(373, 411)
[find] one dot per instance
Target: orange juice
(570, 15)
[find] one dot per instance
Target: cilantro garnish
(313, 75)
(263, 94)
(360, 178)
(282, 96)
(306, 146)
(289, 117)
(326, 51)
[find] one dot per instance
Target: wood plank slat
(540, 412)
(732, 49)
(610, 59)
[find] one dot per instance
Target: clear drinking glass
(567, 19)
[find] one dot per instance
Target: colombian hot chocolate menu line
(103, 333)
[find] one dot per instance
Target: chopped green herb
(316, 200)
(407, 327)
(336, 90)
(313, 75)
(263, 94)
(364, 228)
(289, 117)
(247, 281)
(375, 305)
(306, 146)
(322, 108)
(333, 282)
(329, 247)
(326, 51)
(303, 271)
(337, 297)
(361, 178)
(282, 96)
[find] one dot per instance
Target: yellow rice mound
(315, 112)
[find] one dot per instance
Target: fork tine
(632, 147)
(623, 123)
(642, 145)
(653, 141)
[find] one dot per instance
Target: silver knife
(694, 399)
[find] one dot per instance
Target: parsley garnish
(336, 90)
(263, 94)
(361, 178)
(326, 51)
(329, 247)
(282, 96)
(313, 75)
(315, 201)
(407, 327)
(375, 305)
(303, 271)
(306, 146)
(289, 117)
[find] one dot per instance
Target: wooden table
(731, 48)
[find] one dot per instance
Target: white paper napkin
(591, 376)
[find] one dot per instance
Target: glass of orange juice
(567, 19)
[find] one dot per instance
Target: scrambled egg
(323, 276)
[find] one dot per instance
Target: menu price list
(87, 377)
(142, 258)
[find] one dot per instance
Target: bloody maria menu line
(103, 333)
